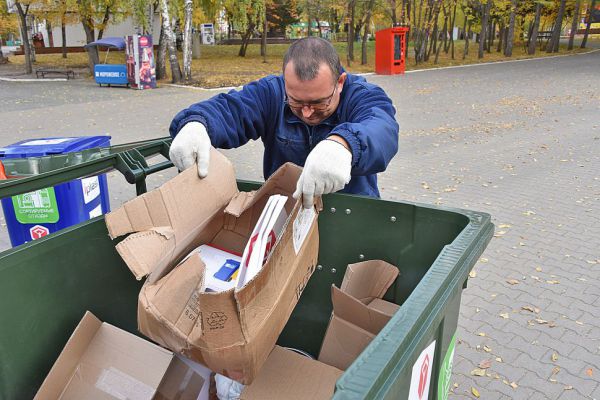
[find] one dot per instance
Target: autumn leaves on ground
(220, 65)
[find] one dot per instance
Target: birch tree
(187, 40)
(170, 41)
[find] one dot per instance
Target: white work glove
(191, 145)
(327, 170)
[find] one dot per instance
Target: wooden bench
(544, 35)
(48, 71)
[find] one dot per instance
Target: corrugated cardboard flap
(289, 376)
(164, 221)
(368, 280)
(355, 312)
(67, 361)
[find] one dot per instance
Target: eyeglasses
(315, 106)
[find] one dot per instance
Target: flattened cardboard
(358, 311)
(230, 332)
(101, 361)
(291, 376)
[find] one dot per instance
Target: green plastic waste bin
(47, 285)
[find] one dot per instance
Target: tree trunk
(574, 24)
(92, 52)
(350, 40)
(510, 38)
(263, 42)
(445, 31)
(433, 41)
(588, 26)
(393, 11)
(552, 46)
(492, 36)
(485, 10)
(170, 42)
(63, 31)
(500, 38)
(104, 22)
(25, 36)
(246, 40)
(452, 30)
(534, 32)
(161, 60)
(49, 30)
(467, 34)
(149, 23)
(366, 32)
(187, 40)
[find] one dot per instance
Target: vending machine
(207, 31)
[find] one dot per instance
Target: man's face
(314, 100)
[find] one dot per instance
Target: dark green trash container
(47, 285)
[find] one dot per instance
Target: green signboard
(37, 207)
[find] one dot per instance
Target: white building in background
(76, 35)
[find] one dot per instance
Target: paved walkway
(518, 140)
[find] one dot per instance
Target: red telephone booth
(390, 50)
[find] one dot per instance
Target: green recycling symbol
(36, 207)
(446, 371)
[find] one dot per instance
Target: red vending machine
(141, 69)
(390, 50)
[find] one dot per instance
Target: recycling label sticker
(38, 207)
(446, 371)
(90, 188)
(421, 374)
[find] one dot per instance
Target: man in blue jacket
(339, 127)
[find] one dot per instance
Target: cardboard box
(359, 313)
(230, 332)
(103, 362)
(291, 376)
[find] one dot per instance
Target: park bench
(544, 36)
(51, 71)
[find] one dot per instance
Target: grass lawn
(221, 66)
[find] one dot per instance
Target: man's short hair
(308, 54)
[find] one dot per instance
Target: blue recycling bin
(36, 214)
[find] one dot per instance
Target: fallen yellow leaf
(514, 385)
(478, 372)
(554, 357)
(475, 392)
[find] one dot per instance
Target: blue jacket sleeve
(233, 118)
(371, 130)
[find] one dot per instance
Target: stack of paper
(221, 268)
(263, 239)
